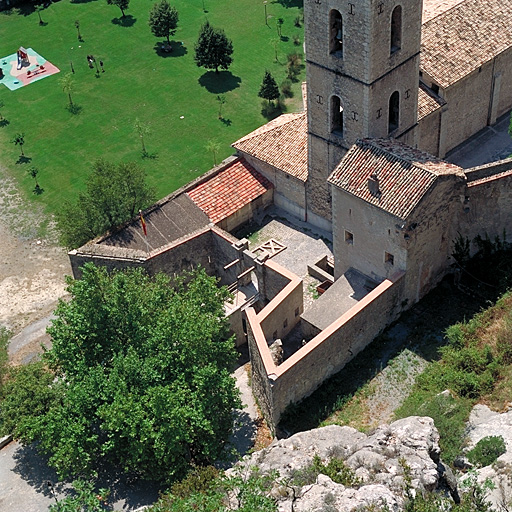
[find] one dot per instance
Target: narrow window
(285, 323)
(349, 237)
(389, 258)
(336, 115)
(336, 33)
(396, 29)
(394, 112)
(296, 311)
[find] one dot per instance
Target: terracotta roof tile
(428, 102)
(229, 190)
(281, 143)
(404, 174)
(433, 8)
(463, 38)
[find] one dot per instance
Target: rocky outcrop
(407, 449)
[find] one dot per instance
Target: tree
(67, 84)
(279, 25)
(213, 49)
(163, 19)
(221, 98)
(122, 4)
(213, 146)
(269, 89)
(33, 172)
(114, 194)
(77, 26)
(38, 9)
(142, 129)
(19, 140)
(140, 376)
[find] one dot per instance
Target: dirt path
(32, 266)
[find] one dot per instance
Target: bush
(286, 88)
(487, 451)
(335, 469)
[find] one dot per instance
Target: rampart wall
(297, 377)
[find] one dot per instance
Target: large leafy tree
(139, 376)
(114, 194)
(213, 49)
(163, 19)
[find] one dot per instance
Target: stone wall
(289, 192)
(428, 132)
(278, 386)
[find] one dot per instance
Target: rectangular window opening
(389, 258)
(349, 237)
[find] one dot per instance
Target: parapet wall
(488, 170)
(278, 386)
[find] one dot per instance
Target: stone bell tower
(362, 60)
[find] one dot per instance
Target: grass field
(139, 82)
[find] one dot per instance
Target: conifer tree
(213, 48)
(269, 89)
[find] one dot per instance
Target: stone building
(392, 86)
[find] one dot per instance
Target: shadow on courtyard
(221, 82)
(127, 490)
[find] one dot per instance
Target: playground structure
(24, 67)
(23, 59)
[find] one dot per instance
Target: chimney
(373, 185)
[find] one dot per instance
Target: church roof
(463, 38)
(229, 190)
(281, 143)
(404, 174)
(428, 102)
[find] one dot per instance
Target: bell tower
(362, 67)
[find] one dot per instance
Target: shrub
(335, 469)
(487, 451)
(286, 88)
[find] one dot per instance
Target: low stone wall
(487, 170)
(278, 386)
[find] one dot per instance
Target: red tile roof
(282, 143)
(428, 102)
(464, 37)
(229, 190)
(404, 174)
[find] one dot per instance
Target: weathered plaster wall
(374, 233)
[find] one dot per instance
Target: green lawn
(137, 83)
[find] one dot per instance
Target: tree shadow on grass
(74, 109)
(173, 49)
(227, 122)
(221, 82)
(24, 159)
(4, 122)
(290, 3)
(126, 21)
(270, 110)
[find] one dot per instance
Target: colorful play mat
(16, 72)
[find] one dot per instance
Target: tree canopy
(213, 49)
(114, 194)
(163, 19)
(269, 89)
(122, 4)
(138, 376)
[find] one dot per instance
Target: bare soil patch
(32, 265)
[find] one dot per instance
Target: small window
(336, 116)
(389, 258)
(274, 335)
(296, 312)
(285, 323)
(349, 237)
(336, 33)
(394, 112)
(396, 29)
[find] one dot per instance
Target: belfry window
(336, 115)
(396, 29)
(394, 112)
(336, 33)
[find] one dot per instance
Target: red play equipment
(22, 58)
